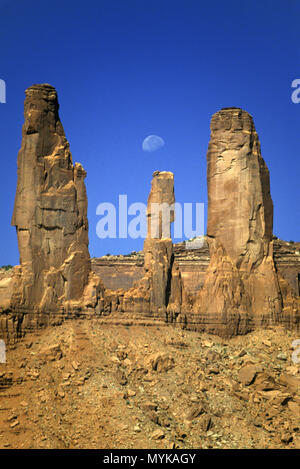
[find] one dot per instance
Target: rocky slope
(89, 385)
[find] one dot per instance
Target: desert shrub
(6, 267)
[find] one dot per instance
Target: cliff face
(122, 271)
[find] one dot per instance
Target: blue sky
(126, 69)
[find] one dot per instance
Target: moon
(153, 143)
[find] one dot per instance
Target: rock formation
(229, 286)
(159, 292)
(50, 214)
(121, 271)
(241, 288)
(158, 244)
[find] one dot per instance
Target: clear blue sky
(125, 69)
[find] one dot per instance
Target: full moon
(153, 143)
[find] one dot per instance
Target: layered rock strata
(122, 271)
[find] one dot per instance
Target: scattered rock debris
(105, 386)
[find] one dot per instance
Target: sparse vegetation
(6, 267)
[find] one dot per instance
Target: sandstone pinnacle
(50, 212)
(241, 287)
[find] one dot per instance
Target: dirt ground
(89, 385)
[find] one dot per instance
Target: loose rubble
(105, 386)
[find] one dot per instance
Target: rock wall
(287, 262)
(50, 209)
(121, 272)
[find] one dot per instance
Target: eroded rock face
(50, 212)
(241, 288)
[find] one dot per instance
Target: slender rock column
(158, 246)
(159, 292)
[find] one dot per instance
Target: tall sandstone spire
(158, 246)
(50, 212)
(159, 292)
(241, 288)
